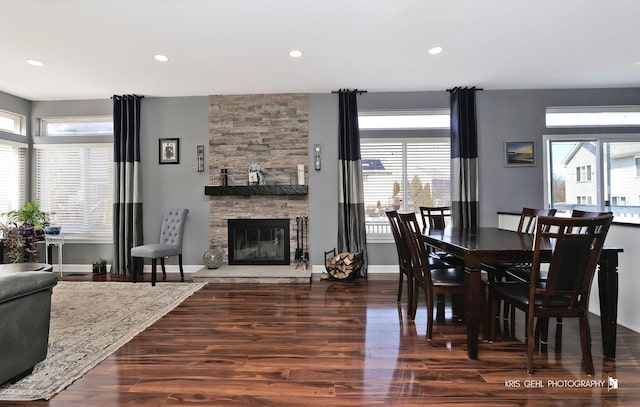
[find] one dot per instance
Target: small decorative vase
(213, 258)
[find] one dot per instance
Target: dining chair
(516, 271)
(437, 218)
(170, 243)
(431, 278)
(404, 258)
(575, 245)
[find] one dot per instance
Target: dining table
(491, 245)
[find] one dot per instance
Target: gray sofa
(25, 312)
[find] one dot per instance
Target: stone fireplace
(267, 129)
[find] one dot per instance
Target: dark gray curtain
(464, 158)
(351, 220)
(127, 195)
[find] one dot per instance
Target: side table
(54, 240)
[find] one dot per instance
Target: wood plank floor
(337, 344)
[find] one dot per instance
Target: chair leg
(180, 265)
(558, 347)
(429, 298)
(585, 341)
(530, 342)
(414, 301)
(400, 281)
(440, 307)
(410, 294)
(153, 272)
(493, 317)
(164, 270)
(134, 268)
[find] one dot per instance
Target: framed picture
(169, 150)
(519, 154)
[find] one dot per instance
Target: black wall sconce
(316, 157)
(200, 153)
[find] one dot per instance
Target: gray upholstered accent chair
(170, 244)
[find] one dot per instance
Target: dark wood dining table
(493, 246)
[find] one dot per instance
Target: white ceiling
(93, 49)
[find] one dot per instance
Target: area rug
(90, 321)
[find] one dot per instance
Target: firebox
(258, 241)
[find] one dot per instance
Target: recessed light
(161, 58)
(435, 50)
(295, 53)
(34, 62)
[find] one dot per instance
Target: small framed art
(519, 154)
(169, 150)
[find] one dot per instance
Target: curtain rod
(138, 96)
(359, 92)
(460, 87)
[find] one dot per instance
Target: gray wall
(510, 115)
(176, 185)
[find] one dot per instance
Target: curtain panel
(127, 191)
(464, 158)
(351, 218)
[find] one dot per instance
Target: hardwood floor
(337, 344)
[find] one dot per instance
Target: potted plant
(100, 266)
(22, 231)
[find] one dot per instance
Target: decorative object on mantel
(300, 174)
(213, 257)
(256, 174)
(224, 177)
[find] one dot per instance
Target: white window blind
(403, 175)
(74, 181)
(12, 181)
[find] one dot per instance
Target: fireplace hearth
(258, 241)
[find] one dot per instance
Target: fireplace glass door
(259, 241)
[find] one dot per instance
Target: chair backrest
(435, 217)
(404, 257)
(172, 229)
(528, 218)
(577, 213)
(576, 246)
(417, 249)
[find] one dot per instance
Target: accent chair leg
(153, 271)
(180, 265)
(164, 270)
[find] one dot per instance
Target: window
(434, 119)
(608, 160)
(584, 200)
(637, 161)
(77, 126)
(12, 181)
(403, 175)
(618, 201)
(11, 122)
(583, 174)
(593, 116)
(75, 183)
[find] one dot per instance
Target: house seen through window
(595, 172)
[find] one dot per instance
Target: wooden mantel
(246, 190)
